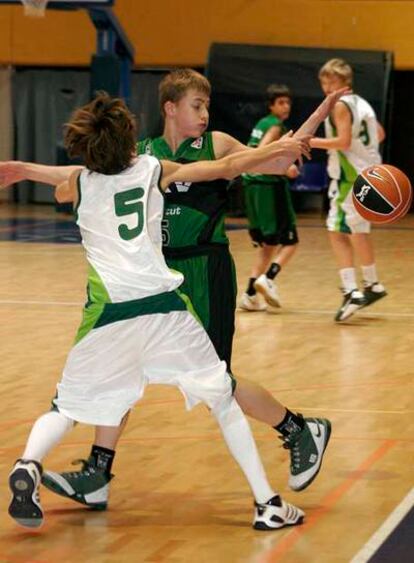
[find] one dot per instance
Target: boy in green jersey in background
(272, 220)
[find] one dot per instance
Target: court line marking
(289, 313)
(207, 437)
(156, 402)
(286, 317)
(13, 423)
(327, 504)
(46, 303)
(352, 411)
(382, 533)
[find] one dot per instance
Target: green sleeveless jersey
(194, 211)
(259, 130)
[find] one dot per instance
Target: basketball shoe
(24, 482)
(307, 448)
(353, 301)
(275, 514)
(88, 486)
(268, 289)
(252, 302)
(373, 292)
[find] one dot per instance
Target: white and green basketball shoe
(24, 483)
(307, 448)
(88, 486)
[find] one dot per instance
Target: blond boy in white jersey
(137, 329)
(352, 140)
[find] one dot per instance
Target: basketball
(382, 194)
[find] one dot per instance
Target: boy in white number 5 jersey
(137, 328)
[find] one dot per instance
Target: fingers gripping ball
(382, 194)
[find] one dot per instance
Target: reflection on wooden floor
(177, 495)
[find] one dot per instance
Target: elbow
(60, 198)
(230, 171)
(344, 145)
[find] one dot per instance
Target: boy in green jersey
(195, 243)
(272, 220)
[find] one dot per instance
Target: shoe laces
(86, 470)
(292, 443)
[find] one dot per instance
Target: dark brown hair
(103, 134)
(275, 91)
(176, 84)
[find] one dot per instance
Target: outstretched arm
(225, 144)
(322, 112)
(13, 171)
(62, 178)
(231, 166)
(67, 192)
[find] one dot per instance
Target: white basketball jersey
(119, 217)
(364, 149)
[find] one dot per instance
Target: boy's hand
(297, 146)
(292, 172)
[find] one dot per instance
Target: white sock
(46, 432)
(369, 274)
(348, 279)
(240, 441)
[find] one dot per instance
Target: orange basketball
(382, 193)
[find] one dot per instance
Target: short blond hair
(337, 67)
(177, 83)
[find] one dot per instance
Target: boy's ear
(170, 109)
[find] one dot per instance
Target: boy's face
(331, 83)
(281, 107)
(191, 113)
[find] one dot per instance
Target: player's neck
(173, 136)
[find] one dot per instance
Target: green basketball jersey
(194, 211)
(258, 132)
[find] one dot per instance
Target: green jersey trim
(348, 172)
(349, 109)
(160, 178)
(162, 303)
(97, 315)
(189, 305)
(97, 292)
(91, 314)
(76, 207)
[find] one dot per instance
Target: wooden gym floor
(178, 495)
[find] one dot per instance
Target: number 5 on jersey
(127, 203)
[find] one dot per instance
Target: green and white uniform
(195, 242)
(269, 208)
(344, 166)
(136, 327)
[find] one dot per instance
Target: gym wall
(179, 33)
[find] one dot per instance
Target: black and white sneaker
(24, 482)
(268, 289)
(373, 292)
(276, 514)
(353, 301)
